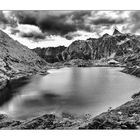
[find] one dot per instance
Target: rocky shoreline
(126, 116)
(135, 70)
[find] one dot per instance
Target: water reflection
(76, 90)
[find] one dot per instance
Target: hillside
(16, 58)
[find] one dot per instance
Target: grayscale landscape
(69, 70)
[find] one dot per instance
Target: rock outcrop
(51, 54)
(79, 49)
(116, 32)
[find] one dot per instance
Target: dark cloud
(64, 22)
(69, 37)
(60, 24)
(56, 25)
(67, 23)
(72, 35)
(14, 31)
(33, 36)
(107, 21)
(26, 17)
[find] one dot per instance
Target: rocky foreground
(127, 116)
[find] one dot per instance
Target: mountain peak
(116, 32)
(106, 35)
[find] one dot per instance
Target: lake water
(74, 90)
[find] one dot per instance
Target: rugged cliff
(118, 46)
(51, 54)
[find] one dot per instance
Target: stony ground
(46, 121)
(127, 116)
(135, 70)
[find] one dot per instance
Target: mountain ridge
(122, 45)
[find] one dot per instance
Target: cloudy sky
(54, 28)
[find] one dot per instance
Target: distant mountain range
(122, 47)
